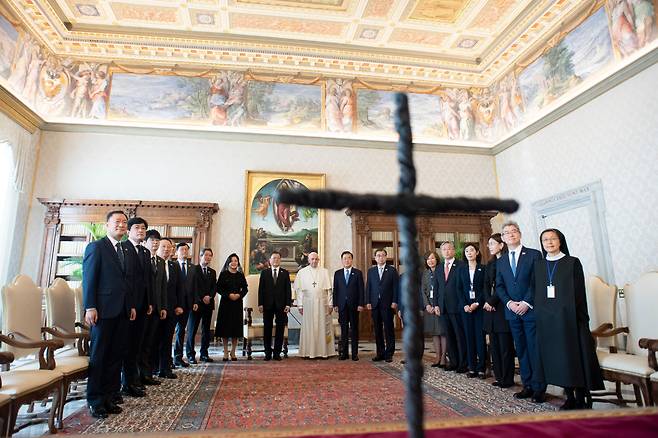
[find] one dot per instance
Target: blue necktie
(347, 276)
(513, 263)
(184, 270)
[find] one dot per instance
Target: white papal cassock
(313, 290)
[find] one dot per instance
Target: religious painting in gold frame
(291, 230)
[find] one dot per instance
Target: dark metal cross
(406, 205)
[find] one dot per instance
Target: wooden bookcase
(67, 229)
(378, 230)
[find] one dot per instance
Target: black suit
(188, 279)
(142, 298)
(448, 301)
(348, 296)
(158, 282)
(274, 297)
(173, 293)
(381, 294)
(205, 285)
(107, 287)
(476, 343)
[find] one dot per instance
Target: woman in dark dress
(433, 324)
(471, 298)
(566, 347)
(232, 287)
(501, 343)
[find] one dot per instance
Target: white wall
(116, 166)
(613, 138)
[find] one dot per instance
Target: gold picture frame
(269, 226)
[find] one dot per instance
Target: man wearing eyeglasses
(514, 287)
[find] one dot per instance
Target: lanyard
(550, 272)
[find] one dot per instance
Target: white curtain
(18, 156)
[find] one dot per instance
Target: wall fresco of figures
(63, 88)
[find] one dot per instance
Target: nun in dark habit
(567, 350)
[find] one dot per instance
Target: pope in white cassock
(314, 300)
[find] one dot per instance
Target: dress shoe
(167, 375)
(132, 391)
(461, 370)
(148, 380)
(524, 393)
(268, 358)
(192, 360)
(403, 361)
(355, 358)
(117, 399)
(443, 366)
(206, 359)
(388, 360)
(435, 365)
(181, 363)
(139, 386)
(377, 359)
(234, 359)
(342, 357)
(506, 385)
(481, 376)
(539, 397)
(495, 383)
(98, 412)
(471, 375)
(111, 408)
(225, 359)
(277, 357)
(568, 405)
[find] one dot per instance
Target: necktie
(381, 272)
(276, 274)
(512, 262)
(184, 270)
(122, 259)
(205, 271)
(154, 265)
(347, 275)
(446, 270)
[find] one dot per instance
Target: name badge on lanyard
(550, 289)
(471, 293)
(432, 292)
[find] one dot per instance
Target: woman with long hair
(433, 324)
(232, 287)
(471, 298)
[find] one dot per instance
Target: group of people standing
(531, 304)
(138, 298)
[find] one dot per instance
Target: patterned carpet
(297, 392)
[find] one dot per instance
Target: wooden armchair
(73, 361)
(253, 320)
(34, 377)
(652, 346)
(633, 368)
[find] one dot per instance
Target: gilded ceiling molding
(19, 112)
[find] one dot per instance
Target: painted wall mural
(62, 89)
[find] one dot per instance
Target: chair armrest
(248, 319)
(46, 348)
(609, 333)
(82, 337)
(83, 326)
(601, 329)
(6, 358)
(652, 346)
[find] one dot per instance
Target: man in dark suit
(171, 307)
(274, 301)
(516, 291)
(382, 298)
(188, 278)
(132, 382)
(158, 285)
(447, 300)
(349, 299)
(108, 301)
(204, 304)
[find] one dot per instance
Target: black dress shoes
(568, 405)
(355, 358)
(506, 385)
(277, 357)
(388, 360)
(132, 391)
(495, 383)
(225, 359)
(117, 399)
(377, 359)
(268, 358)
(167, 375)
(481, 376)
(181, 363)
(192, 360)
(435, 365)
(206, 359)
(451, 368)
(342, 357)
(111, 408)
(539, 397)
(148, 380)
(98, 412)
(471, 375)
(461, 370)
(524, 393)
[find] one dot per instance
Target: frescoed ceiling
(451, 42)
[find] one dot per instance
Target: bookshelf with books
(71, 224)
(373, 230)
